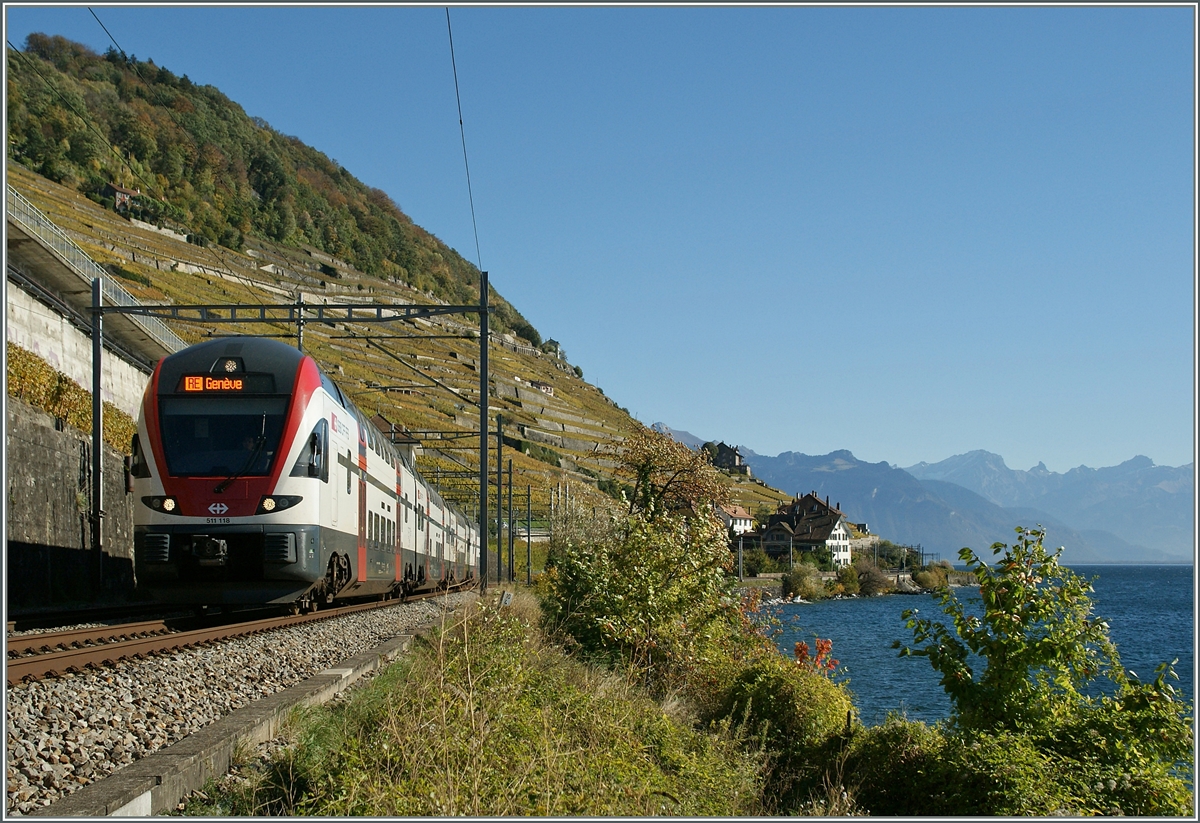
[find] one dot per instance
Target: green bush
(799, 715)
(847, 578)
(756, 562)
(1025, 736)
(803, 581)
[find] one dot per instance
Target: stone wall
(48, 539)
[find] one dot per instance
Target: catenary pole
(483, 430)
(512, 576)
(499, 497)
(97, 512)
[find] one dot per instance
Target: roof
(804, 525)
(734, 510)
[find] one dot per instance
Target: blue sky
(909, 232)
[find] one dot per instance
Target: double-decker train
(257, 481)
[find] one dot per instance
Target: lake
(1149, 610)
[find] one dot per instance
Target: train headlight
(277, 502)
(162, 503)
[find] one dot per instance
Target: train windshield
(216, 436)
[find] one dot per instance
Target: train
(257, 481)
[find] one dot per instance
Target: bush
(1028, 738)
(931, 578)
(871, 581)
(645, 592)
(800, 716)
(756, 562)
(847, 578)
(804, 582)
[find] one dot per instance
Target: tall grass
(489, 719)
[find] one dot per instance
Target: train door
(361, 575)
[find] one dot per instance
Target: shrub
(847, 578)
(871, 580)
(803, 581)
(647, 591)
(756, 562)
(1028, 717)
(800, 716)
(931, 578)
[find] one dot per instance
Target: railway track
(53, 654)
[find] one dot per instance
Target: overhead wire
(463, 134)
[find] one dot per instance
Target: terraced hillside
(422, 375)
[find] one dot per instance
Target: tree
(667, 476)
(1036, 637)
(1129, 752)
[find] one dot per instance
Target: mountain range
(1136, 512)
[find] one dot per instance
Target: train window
(138, 466)
(312, 462)
(221, 436)
(349, 463)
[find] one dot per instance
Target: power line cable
(463, 134)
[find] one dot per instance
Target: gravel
(62, 734)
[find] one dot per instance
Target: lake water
(1149, 610)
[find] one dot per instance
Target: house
(730, 459)
(807, 524)
(736, 517)
(545, 388)
(121, 196)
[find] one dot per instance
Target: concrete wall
(36, 327)
(48, 540)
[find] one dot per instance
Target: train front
(228, 469)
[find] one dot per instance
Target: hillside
(420, 374)
(206, 169)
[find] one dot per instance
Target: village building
(736, 517)
(806, 525)
(121, 196)
(730, 459)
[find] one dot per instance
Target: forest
(202, 166)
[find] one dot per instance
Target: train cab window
(137, 465)
(221, 436)
(312, 462)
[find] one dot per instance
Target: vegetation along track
(35, 656)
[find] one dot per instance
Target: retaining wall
(36, 327)
(48, 537)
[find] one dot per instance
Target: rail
(35, 223)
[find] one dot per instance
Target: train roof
(233, 355)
